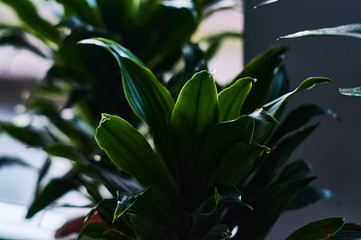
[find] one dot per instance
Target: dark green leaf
(351, 91)
(129, 150)
(125, 201)
(298, 118)
(261, 68)
(155, 205)
(28, 14)
(267, 208)
(318, 230)
(232, 98)
(350, 30)
(311, 195)
(149, 99)
(218, 142)
(146, 229)
(195, 112)
(295, 170)
(52, 191)
(236, 164)
(348, 231)
(274, 106)
(277, 159)
(280, 84)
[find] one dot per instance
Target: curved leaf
(236, 164)
(272, 167)
(195, 112)
(267, 208)
(311, 195)
(129, 150)
(232, 99)
(318, 230)
(52, 191)
(218, 142)
(298, 118)
(149, 99)
(350, 30)
(261, 68)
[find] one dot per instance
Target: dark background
(334, 149)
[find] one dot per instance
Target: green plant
(209, 147)
(84, 85)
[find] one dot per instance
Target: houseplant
(207, 152)
(278, 178)
(80, 86)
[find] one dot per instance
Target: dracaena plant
(209, 164)
(84, 85)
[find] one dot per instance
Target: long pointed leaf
(149, 99)
(232, 99)
(195, 112)
(351, 30)
(129, 150)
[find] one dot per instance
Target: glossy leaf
(348, 231)
(311, 195)
(195, 112)
(265, 3)
(129, 150)
(318, 230)
(236, 164)
(149, 99)
(52, 191)
(125, 201)
(351, 30)
(274, 106)
(232, 99)
(27, 13)
(351, 91)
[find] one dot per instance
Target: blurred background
(333, 150)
